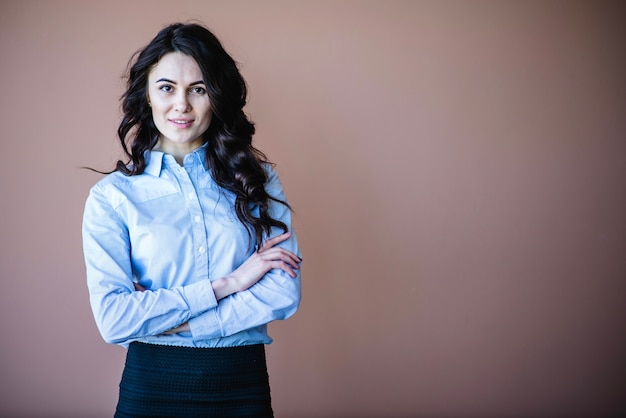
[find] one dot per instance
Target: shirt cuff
(205, 326)
(200, 297)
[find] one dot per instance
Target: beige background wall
(458, 174)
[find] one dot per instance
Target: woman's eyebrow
(167, 80)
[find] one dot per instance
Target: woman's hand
(181, 328)
(138, 287)
(266, 258)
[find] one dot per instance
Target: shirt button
(201, 250)
(190, 195)
(197, 219)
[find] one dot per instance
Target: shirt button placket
(195, 210)
(199, 237)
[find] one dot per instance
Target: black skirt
(167, 381)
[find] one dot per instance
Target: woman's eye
(166, 88)
(198, 90)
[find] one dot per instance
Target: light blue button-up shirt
(173, 230)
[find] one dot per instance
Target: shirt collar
(200, 154)
(154, 159)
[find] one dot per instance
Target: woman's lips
(181, 123)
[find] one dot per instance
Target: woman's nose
(182, 102)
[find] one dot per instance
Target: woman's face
(181, 109)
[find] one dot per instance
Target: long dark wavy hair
(235, 164)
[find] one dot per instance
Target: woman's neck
(177, 150)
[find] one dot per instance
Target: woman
(188, 246)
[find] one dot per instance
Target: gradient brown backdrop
(458, 174)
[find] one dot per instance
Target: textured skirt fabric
(167, 381)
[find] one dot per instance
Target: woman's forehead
(176, 65)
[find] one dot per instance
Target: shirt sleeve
(275, 297)
(121, 313)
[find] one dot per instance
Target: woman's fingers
(287, 264)
(278, 257)
(268, 257)
(285, 267)
(281, 254)
(273, 241)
